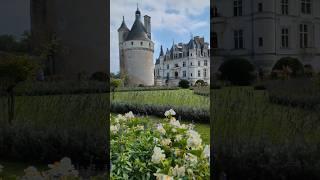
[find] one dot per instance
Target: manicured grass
(174, 98)
(253, 136)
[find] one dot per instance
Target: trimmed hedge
(185, 113)
(238, 71)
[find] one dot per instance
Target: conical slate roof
(123, 26)
(138, 31)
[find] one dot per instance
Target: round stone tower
(136, 52)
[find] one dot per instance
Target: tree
(184, 83)
(287, 64)
(238, 71)
(15, 69)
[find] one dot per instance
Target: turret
(123, 31)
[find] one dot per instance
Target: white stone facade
(263, 31)
(189, 61)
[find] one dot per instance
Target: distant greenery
(10, 43)
(184, 83)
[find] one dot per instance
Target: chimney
(147, 25)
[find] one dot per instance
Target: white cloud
(174, 15)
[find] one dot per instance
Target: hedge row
(56, 88)
(153, 88)
(185, 113)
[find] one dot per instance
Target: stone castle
(136, 52)
(265, 31)
(190, 61)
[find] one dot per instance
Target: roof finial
(137, 6)
(123, 18)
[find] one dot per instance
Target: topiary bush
(184, 84)
(296, 69)
(200, 82)
(238, 71)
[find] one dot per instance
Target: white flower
(157, 155)
(162, 176)
(206, 151)
(178, 137)
(179, 171)
(62, 168)
(31, 173)
(192, 159)
(194, 141)
(174, 122)
(170, 113)
(120, 118)
(161, 129)
(174, 130)
(165, 142)
(183, 126)
(114, 128)
(129, 115)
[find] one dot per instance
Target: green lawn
(174, 98)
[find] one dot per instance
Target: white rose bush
(168, 150)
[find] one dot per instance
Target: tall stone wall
(81, 27)
(138, 63)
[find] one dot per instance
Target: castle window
(199, 73)
(176, 75)
(190, 63)
(132, 43)
(238, 39)
(191, 74)
(168, 66)
(303, 36)
(141, 43)
(260, 7)
(284, 38)
(260, 41)
(237, 7)
(184, 64)
(306, 6)
(204, 72)
(177, 65)
(168, 75)
(284, 7)
(184, 73)
(199, 63)
(205, 63)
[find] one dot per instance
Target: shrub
(200, 82)
(99, 76)
(168, 150)
(296, 69)
(237, 71)
(184, 84)
(115, 83)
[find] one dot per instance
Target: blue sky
(171, 20)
